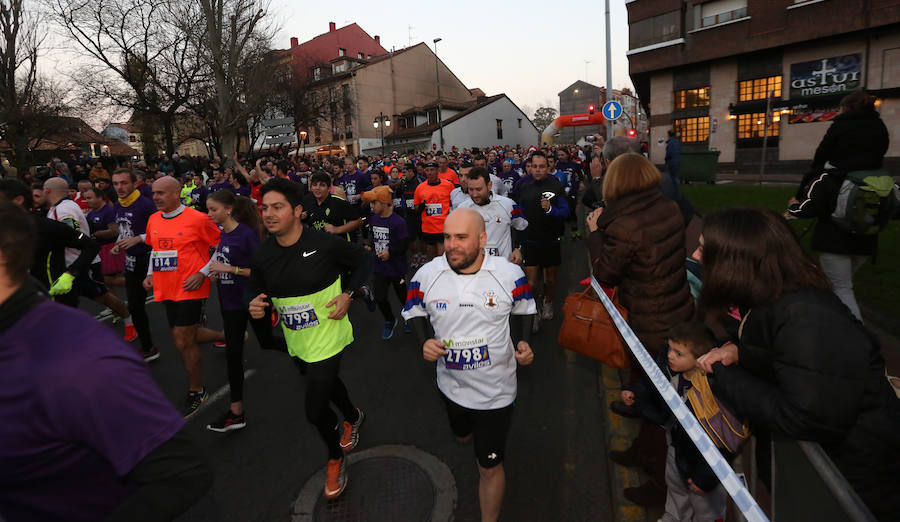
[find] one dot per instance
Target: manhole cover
(381, 489)
(387, 483)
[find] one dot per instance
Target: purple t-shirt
(78, 410)
(146, 190)
(387, 234)
(225, 185)
(509, 179)
(243, 190)
(235, 249)
(100, 219)
(354, 185)
(132, 221)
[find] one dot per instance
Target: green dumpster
(698, 166)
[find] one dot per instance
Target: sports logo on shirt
(491, 300)
(166, 243)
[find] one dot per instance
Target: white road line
(101, 317)
(221, 392)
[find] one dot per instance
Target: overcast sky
(529, 50)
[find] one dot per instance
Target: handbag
(588, 329)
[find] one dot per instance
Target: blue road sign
(612, 110)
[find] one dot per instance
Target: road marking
(221, 392)
(103, 317)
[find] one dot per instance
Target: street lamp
(437, 77)
(303, 140)
(386, 122)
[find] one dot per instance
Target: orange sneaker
(337, 478)
(130, 332)
(350, 437)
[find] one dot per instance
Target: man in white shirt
(501, 215)
(469, 298)
(88, 284)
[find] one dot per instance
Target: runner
(90, 283)
(460, 194)
(574, 174)
(389, 240)
(327, 212)
(102, 220)
(199, 193)
(86, 432)
(299, 269)
(354, 181)
(501, 216)
(445, 172)
(180, 239)
(432, 202)
(132, 212)
(544, 204)
(500, 186)
(469, 298)
(240, 224)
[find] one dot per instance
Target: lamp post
(382, 120)
(437, 77)
(303, 140)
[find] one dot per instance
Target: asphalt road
(556, 462)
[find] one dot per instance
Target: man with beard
(501, 216)
(469, 298)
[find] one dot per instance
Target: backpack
(866, 201)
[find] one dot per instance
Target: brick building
(709, 67)
(350, 41)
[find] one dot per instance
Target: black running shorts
(90, 284)
(432, 239)
(488, 427)
(184, 313)
(541, 253)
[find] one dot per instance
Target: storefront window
(689, 98)
(692, 129)
(759, 88)
(750, 126)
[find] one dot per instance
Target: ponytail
(243, 210)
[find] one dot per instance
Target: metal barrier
(806, 485)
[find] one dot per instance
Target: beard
(468, 259)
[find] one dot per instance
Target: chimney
(295, 42)
(332, 27)
(377, 39)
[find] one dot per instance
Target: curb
(620, 432)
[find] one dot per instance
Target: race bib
(466, 353)
(410, 203)
(381, 238)
(397, 202)
(298, 317)
(492, 251)
(164, 260)
(434, 209)
(353, 198)
(130, 263)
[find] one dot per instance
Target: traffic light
(591, 109)
(632, 133)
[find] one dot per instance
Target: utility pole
(437, 77)
(762, 161)
(609, 130)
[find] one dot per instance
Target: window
(660, 28)
(433, 116)
(348, 125)
(342, 51)
(520, 123)
(759, 88)
(317, 73)
(689, 98)
(359, 55)
(692, 129)
(345, 95)
(132, 138)
(340, 67)
(751, 126)
(499, 129)
(719, 12)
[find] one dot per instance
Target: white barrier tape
(742, 498)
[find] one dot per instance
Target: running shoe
(547, 311)
(350, 438)
(150, 355)
(388, 331)
(130, 333)
(228, 422)
(106, 312)
(368, 298)
(194, 400)
(336, 482)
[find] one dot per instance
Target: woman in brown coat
(637, 244)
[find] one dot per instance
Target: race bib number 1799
(298, 317)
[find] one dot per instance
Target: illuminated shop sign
(826, 76)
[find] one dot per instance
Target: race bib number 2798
(466, 353)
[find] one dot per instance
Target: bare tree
(543, 117)
(143, 54)
(28, 103)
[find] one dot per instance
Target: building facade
(744, 76)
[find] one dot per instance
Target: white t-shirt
(497, 186)
(470, 314)
(458, 197)
(500, 214)
(68, 212)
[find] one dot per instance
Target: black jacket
(809, 370)
(856, 140)
(818, 202)
(53, 238)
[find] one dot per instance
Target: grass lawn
(878, 285)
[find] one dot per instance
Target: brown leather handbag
(588, 329)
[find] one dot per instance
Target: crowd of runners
(468, 242)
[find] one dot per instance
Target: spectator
(803, 367)
(673, 155)
(636, 243)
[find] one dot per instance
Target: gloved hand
(63, 285)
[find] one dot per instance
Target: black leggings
(381, 293)
(324, 386)
(136, 295)
(235, 326)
